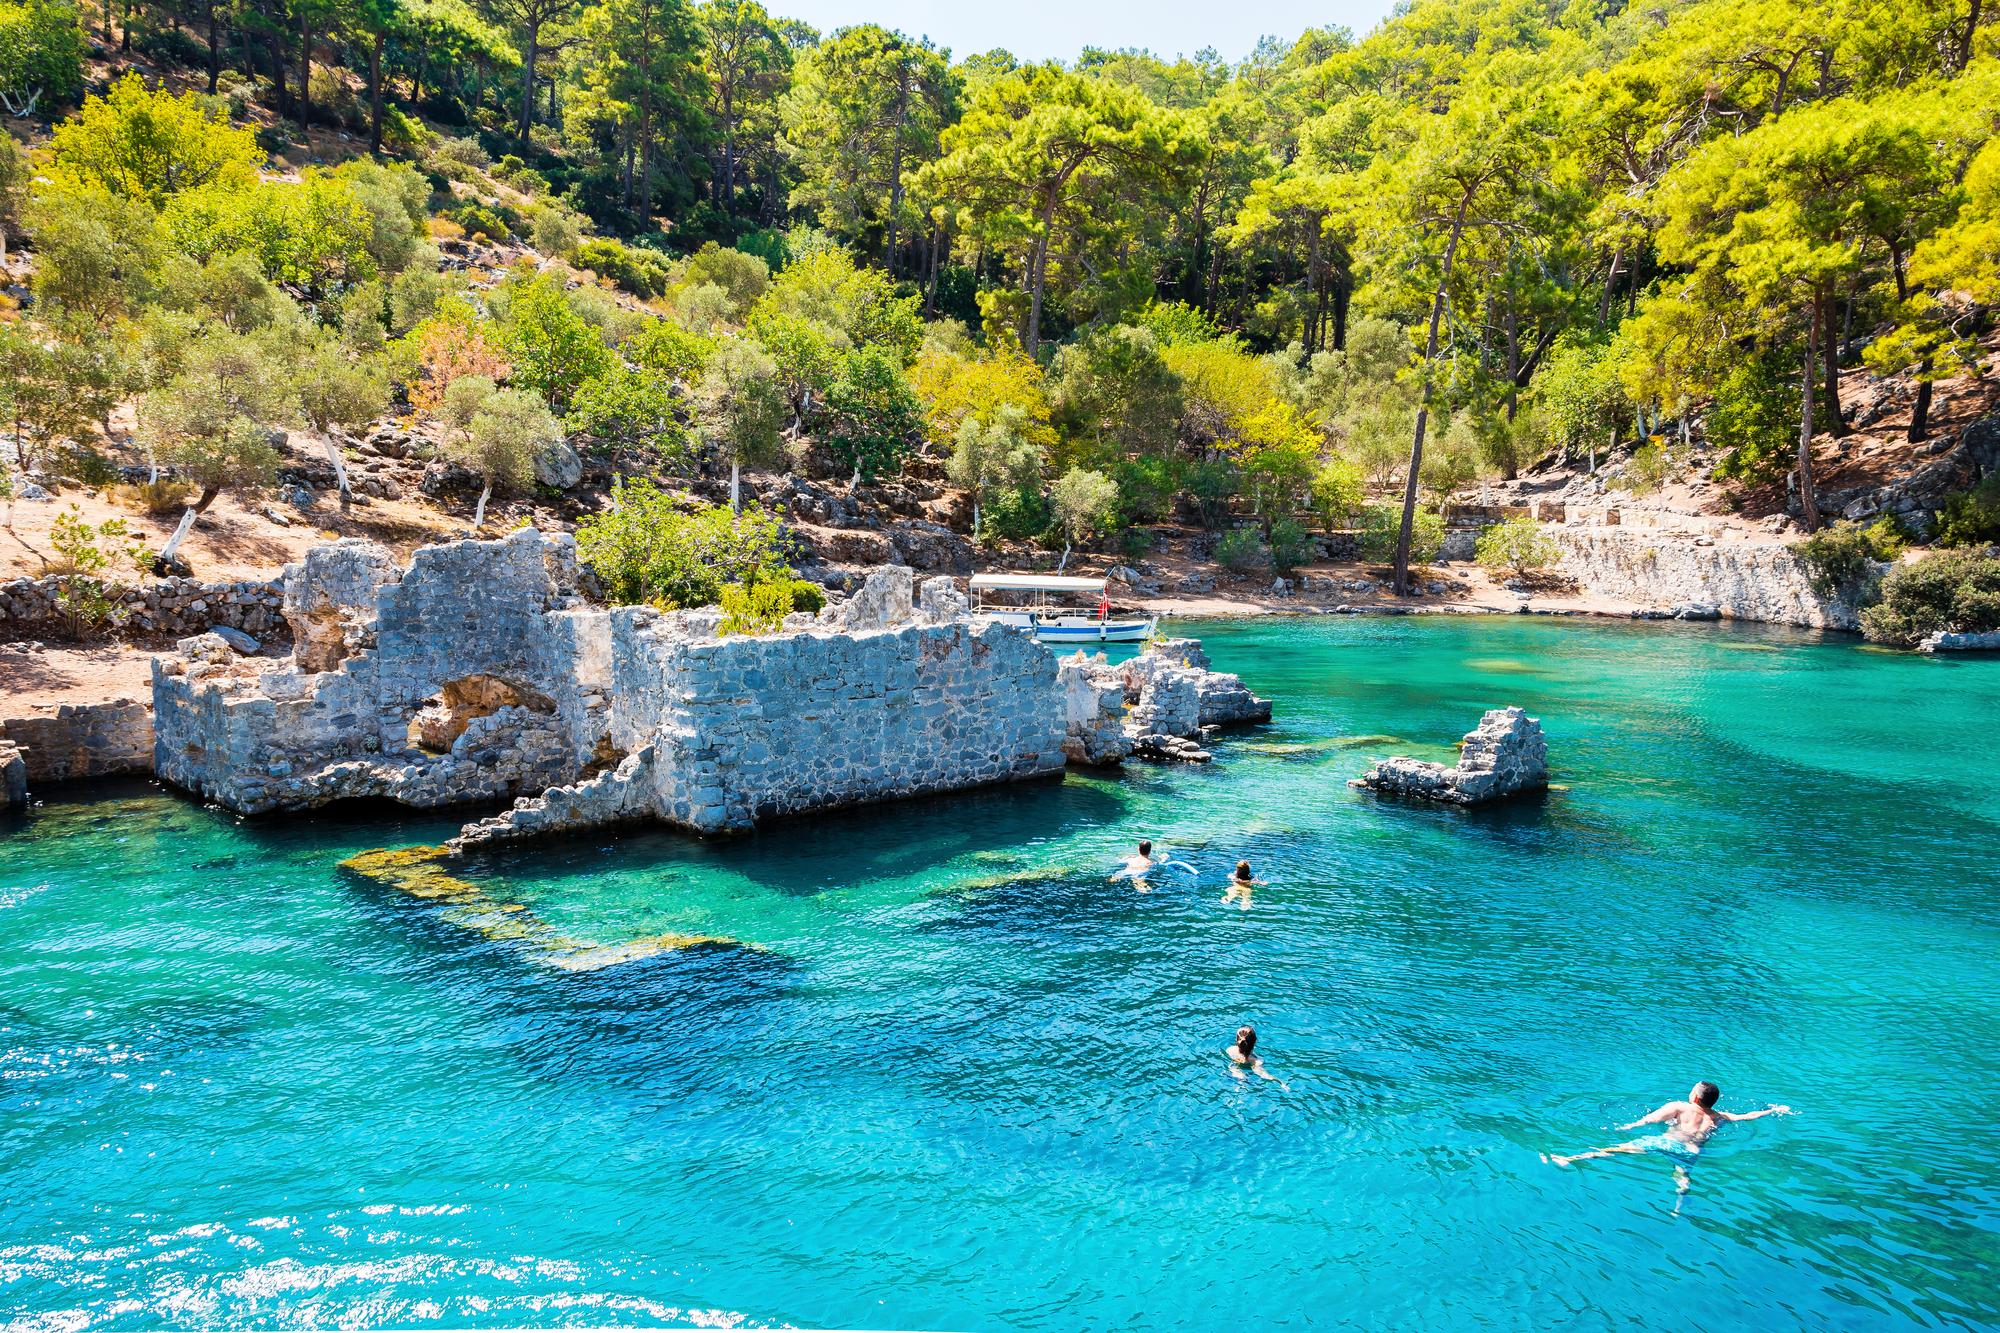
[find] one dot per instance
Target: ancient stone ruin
(1505, 755)
(479, 674)
(1174, 701)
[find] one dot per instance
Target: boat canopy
(1034, 583)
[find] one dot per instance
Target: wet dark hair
(1242, 870)
(1146, 848)
(1246, 1039)
(1705, 1094)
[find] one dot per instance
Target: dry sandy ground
(37, 682)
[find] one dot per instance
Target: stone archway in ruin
(444, 716)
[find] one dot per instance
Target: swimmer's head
(1242, 870)
(1246, 1039)
(1146, 848)
(1704, 1095)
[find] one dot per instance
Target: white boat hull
(1077, 629)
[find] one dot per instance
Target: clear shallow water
(961, 1082)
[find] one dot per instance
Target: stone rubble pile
(1506, 754)
(1173, 700)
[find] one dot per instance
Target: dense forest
(1099, 293)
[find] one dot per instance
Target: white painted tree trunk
(1063, 563)
(180, 535)
(479, 513)
(735, 486)
(338, 457)
(975, 516)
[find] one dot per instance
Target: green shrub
(1518, 544)
(758, 608)
(402, 133)
(456, 159)
(640, 272)
(1646, 471)
(1018, 513)
(808, 596)
(646, 550)
(1971, 518)
(479, 220)
(1381, 524)
(1840, 560)
(1755, 417)
(1242, 550)
(1291, 545)
(41, 52)
(1956, 590)
(1146, 488)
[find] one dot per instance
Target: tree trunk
(206, 498)
(1063, 563)
(896, 169)
(336, 456)
(1610, 280)
(1963, 56)
(735, 486)
(305, 74)
(180, 535)
(1514, 365)
(975, 515)
(214, 50)
(1424, 406)
(479, 511)
(1808, 505)
(1920, 414)
(375, 94)
(528, 55)
(1836, 425)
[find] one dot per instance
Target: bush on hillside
(41, 53)
(1291, 545)
(647, 551)
(1517, 545)
(1971, 518)
(1947, 590)
(1840, 560)
(1381, 525)
(1242, 551)
(640, 272)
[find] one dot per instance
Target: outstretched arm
(1773, 1109)
(1659, 1117)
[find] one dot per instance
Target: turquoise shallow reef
(925, 1068)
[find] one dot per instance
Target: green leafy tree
(647, 550)
(1086, 505)
(41, 54)
(147, 145)
(630, 408)
(508, 430)
(337, 392)
(741, 410)
(992, 455)
(873, 417)
(1518, 545)
(865, 110)
(1058, 172)
(747, 62)
(553, 349)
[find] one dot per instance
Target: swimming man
(1689, 1125)
(1135, 868)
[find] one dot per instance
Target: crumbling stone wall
(84, 741)
(172, 608)
(1506, 754)
(478, 674)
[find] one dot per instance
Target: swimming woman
(1240, 885)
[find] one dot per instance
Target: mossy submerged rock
(1505, 755)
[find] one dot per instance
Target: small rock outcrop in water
(1504, 756)
(1175, 700)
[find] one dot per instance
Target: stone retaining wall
(1739, 580)
(168, 608)
(84, 741)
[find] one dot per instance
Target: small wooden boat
(1051, 623)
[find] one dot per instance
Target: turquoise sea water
(963, 1083)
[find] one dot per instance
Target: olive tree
(741, 410)
(1085, 503)
(501, 440)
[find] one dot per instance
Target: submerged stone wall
(479, 674)
(1738, 580)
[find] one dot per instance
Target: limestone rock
(559, 466)
(1505, 755)
(13, 776)
(330, 600)
(1954, 641)
(939, 600)
(882, 602)
(236, 639)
